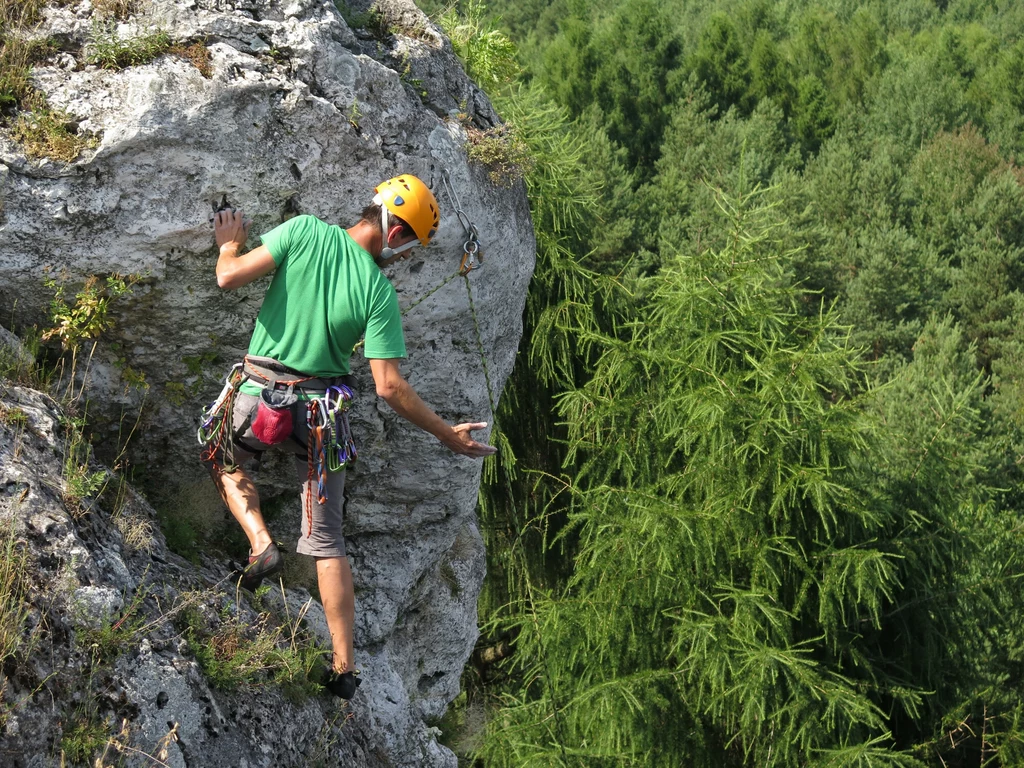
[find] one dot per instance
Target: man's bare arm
(399, 394)
(234, 270)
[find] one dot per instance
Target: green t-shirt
(327, 292)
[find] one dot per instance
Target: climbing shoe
(261, 566)
(341, 684)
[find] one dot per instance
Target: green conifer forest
(760, 496)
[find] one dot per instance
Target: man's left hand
(466, 445)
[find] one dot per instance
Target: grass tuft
(44, 132)
(501, 151)
(15, 14)
(374, 21)
(233, 652)
(17, 639)
(119, 10)
(83, 736)
(111, 51)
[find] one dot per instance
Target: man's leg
(335, 580)
(323, 539)
(236, 488)
(239, 493)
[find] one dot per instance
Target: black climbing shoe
(341, 684)
(261, 566)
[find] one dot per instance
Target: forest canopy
(759, 501)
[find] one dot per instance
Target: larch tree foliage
(760, 576)
(721, 63)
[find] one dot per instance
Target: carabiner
(472, 257)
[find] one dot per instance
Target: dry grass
(501, 151)
(115, 9)
(137, 530)
(16, 14)
(44, 132)
(197, 53)
(14, 606)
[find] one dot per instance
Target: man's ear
(393, 234)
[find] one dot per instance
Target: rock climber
(327, 292)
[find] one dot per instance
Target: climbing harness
(330, 446)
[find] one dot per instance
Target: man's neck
(367, 237)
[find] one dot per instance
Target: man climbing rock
(292, 389)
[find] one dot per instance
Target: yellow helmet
(412, 201)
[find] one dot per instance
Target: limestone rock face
(300, 113)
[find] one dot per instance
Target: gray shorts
(322, 524)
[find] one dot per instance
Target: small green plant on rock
(175, 393)
(80, 480)
(501, 151)
(88, 316)
(17, 55)
(373, 21)
(114, 637)
(42, 130)
(354, 115)
(13, 417)
(46, 132)
(83, 735)
(14, 608)
(237, 652)
(111, 51)
(488, 54)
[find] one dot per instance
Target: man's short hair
(371, 214)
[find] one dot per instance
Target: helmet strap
(387, 252)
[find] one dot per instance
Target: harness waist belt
(266, 370)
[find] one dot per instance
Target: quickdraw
(330, 446)
(315, 457)
(472, 257)
(472, 254)
(215, 428)
(342, 449)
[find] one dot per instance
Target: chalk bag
(273, 422)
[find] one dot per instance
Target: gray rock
(95, 607)
(301, 114)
